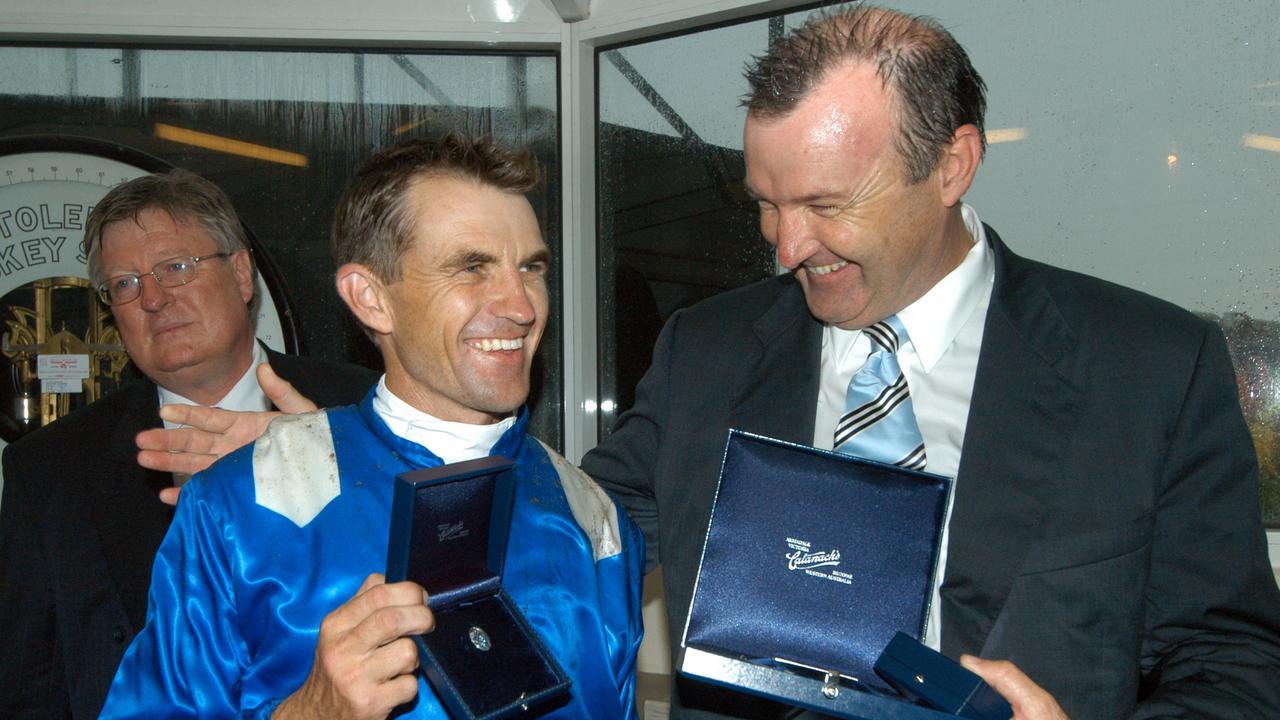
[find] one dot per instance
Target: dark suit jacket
(79, 525)
(1106, 531)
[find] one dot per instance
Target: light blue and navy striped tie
(878, 422)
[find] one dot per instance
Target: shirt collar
(452, 441)
(934, 320)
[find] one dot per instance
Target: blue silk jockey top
(278, 534)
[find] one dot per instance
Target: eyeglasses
(169, 273)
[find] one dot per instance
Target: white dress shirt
(452, 441)
(939, 359)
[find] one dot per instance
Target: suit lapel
(778, 395)
(1024, 407)
(141, 411)
(129, 517)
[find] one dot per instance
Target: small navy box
(927, 676)
(813, 562)
(449, 527)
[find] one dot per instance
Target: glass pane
(675, 223)
(1138, 143)
(1143, 149)
(62, 72)
(283, 131)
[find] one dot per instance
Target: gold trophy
(30, 334)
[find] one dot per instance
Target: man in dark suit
(1104, 550)
(80, 520)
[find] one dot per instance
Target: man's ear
(366, 296)
(243, 269)
(959, 163)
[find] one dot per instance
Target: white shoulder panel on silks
(295, 469)
(591, 507)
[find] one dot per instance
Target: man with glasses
(80, 520)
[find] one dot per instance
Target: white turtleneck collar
(452, 441)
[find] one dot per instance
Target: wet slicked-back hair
(935, 87)
(374, 223)
(184, 195)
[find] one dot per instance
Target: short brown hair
(922, 66)
(373, 225)
(184, 195)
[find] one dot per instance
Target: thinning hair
(374, 223)
(925, 71)
(184, 196)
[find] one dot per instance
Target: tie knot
(887, 333)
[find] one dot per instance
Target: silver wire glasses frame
(173, 272)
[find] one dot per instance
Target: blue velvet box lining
(512, 677)
(815, 557)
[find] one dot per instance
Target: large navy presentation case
(815, 584)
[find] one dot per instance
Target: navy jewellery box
(449, 527)
(816, 575)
